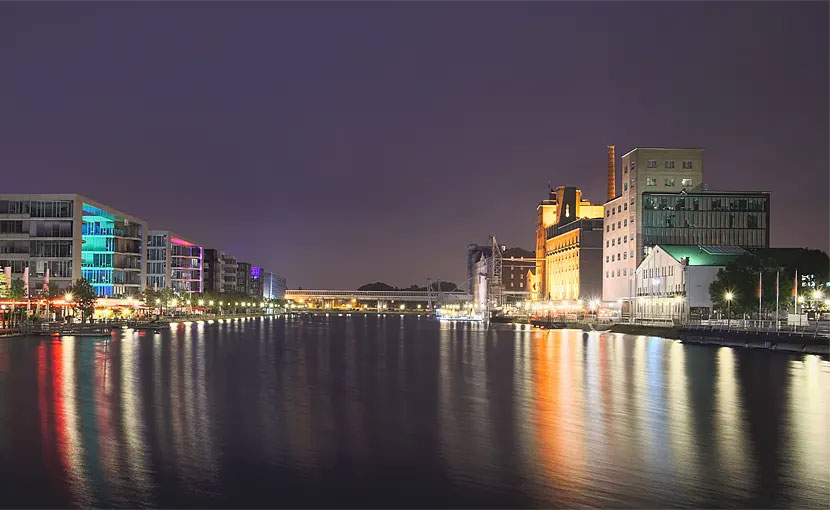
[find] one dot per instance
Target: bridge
(378, 296)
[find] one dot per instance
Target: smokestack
(612, 174)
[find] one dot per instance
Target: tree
(740, 277)
(83, 297)
(17, 290)
(377, 286)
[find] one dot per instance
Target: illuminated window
(651, 181)
(652, 163)
(669, 163)
(686, 182)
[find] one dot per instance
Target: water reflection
(374, 411)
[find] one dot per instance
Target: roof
(700, 255)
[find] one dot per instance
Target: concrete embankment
(773, 341)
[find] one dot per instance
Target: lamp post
(728, 297)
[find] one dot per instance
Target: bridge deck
(396, 295)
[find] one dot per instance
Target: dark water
(368, 411)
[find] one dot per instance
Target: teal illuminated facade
(112, 251)
(53, 239)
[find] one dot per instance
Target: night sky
(345, 143)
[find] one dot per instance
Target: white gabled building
(672, 282)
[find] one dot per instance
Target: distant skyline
(346, 143)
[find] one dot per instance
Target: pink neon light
(176, 240)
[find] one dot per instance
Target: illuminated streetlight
(158, 301)
(210, 303)
(201, 302)
(68, 296)
(817, 294)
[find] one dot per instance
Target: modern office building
(643, 170)
(243, 279)
(56, 238)
(256, 281)
(695, 217)
(672, 281)
(229, 267)
(213, 272)
(568, 246)
(174, 262)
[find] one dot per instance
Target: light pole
(728, 297)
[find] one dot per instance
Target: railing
(814, 329)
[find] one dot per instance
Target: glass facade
(706, 219)
(111, 252)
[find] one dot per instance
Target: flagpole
(760, 291)
(776, 300)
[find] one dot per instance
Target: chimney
(612, 176)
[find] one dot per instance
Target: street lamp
(729, 295)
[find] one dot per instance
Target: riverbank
(768, 340)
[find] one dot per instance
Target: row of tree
(164, 299)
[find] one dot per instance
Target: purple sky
(345, 143)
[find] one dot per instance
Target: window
(612, 226)
(613, 211)
(606, 258)
(625, 255)
(670, 181)
(625, 222)
(619, 224)
(607, 213)
(669, 163)
(606, 274)
(625, 272)
(613, 242)
(625, 186)
(752, 221)
(625, 239)
(651, 181)
(618, 256)
(618, 272)
(686, 182)
(625, 169)
(687, 165)
(606, 243)
(619, 208)
(625, 206)
(652, 163)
